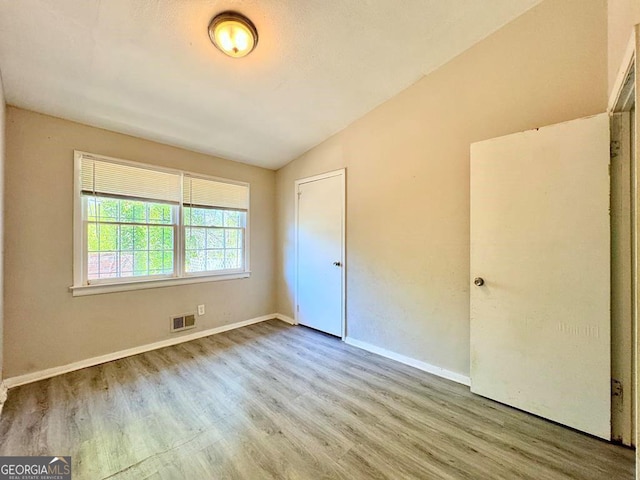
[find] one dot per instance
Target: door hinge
(614, 148)
(616, 388)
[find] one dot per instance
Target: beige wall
(408, 175)
(45, 326)
(622, 16)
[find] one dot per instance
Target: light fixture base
(233, 34)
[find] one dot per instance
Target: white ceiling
(147, 67)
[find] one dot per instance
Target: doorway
(320, 252)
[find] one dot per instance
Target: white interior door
(320, 264)
(540, 239)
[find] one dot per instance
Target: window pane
(231, 218)
(195, 238)
(126, 264)
(209, 217)
(195, 261)
(214, 218)
(140, 238)
(194, 216)
(232, 239)
(231, 259)
(215, 238)
(155, 262)
(92, 238)
(139, 212)
(108, 209)
(168, 262)
(92, 208)
(156, 237)
(141, 263)
(156, 213)
(126, 237)
(126, 211)
(107, 237)
(93, 265)
(215, 259)
(167, 214)
(168, 239)
(108, 265)
(117, 249)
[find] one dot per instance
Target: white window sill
(82, 290)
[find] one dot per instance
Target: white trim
(247, 236)
(109, 357)
(3, 395)
(321, 176)
(286, 319)
(100, 288)
(78, 225)
(412, 362)
(343, 174)
(623, 72)
(344, 253)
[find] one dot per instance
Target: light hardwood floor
(274, 401)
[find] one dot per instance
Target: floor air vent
(183, 322)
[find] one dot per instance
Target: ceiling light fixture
(233, 34)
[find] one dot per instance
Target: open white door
(320, 252)
(540, 240)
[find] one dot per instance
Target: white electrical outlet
(200, 309)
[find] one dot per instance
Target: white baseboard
(3, 395)
(427, 367)
(90, 362)
(286, 319)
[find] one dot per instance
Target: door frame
(342, 173)
(620, 98)
(623, 267)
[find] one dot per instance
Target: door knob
(337, 264)
(478, 281)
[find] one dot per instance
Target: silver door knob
(337, 264)
(478, 281)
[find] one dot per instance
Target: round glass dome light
(233, 34)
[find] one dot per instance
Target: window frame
(81, 284)
(229, 271)
(107, 281)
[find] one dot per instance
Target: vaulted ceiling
(147, 67)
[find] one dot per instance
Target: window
(214, 239)
(129, 238)
(137, 223)
(215, 225)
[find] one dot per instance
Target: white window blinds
(103, 177)
(201, 192)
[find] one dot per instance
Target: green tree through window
(127, 238)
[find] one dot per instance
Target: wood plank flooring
(273, 401)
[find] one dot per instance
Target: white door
(320, 237)
(540, 240)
